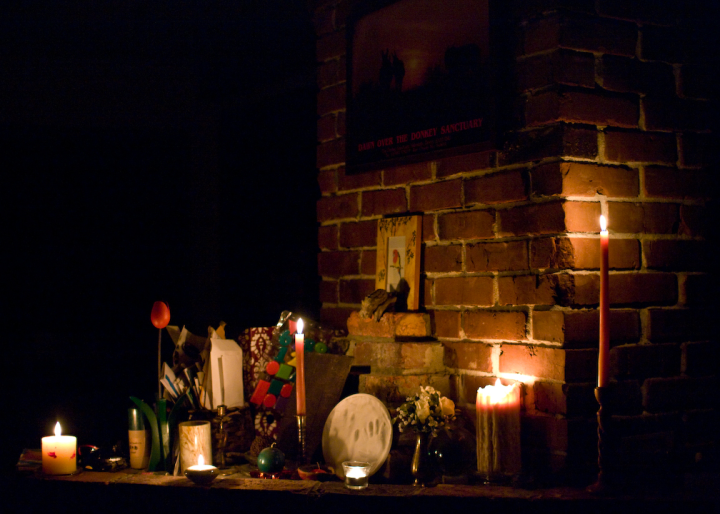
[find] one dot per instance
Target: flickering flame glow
(300, 325)
(201, 460)
(603, 223)
(495, 395)
(58, 431)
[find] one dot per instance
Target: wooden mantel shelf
(142, 492)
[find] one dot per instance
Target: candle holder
(356, 474)
(606, 443)
(302, 429)
(201, 475)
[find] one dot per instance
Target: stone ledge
(391, 325)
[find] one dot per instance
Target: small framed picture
(398, 260)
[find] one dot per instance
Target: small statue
(377, 303)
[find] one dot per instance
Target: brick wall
(613, 114)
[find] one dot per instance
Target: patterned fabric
(256, 344)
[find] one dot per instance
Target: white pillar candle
(498, 430)
(195, 442)
(59, 453)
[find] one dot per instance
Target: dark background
(183, 170)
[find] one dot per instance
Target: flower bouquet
(425, 412)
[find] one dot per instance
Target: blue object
(285, 338)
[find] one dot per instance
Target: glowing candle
(58, 453)
(300, 369)
(498, 430)
(603, 356)
(201, 473)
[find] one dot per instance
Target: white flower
(423, 410)
(448, 406)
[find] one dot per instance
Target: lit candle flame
(603, 223)
(58, 431)
(300, 325)
(201, 460)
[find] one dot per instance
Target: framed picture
(419, 82)
(398, 260)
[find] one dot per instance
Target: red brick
(634, 76)
(358, 180)
(466, 225)
(700, 289)
(464, 163)
(464, 291)
(331, 153)
(328, 237)
(335, 317)
(551, 252)
(428, 228)
(648, 218)
(535, 361)
(645, 360)
(331, 99)
(582, 216)
(469, 384)
(587, 289)
(700, 359)
(368, 262)
(582, 107)
(662, 112)
(326, 128)
(580, 329)
(662, 12)
(388, 201)
(441, 195)
(699, 149)
(341, 123)
(682, 255)
(550, 397)
(643, 288)
(599, 35)
(466, 355)
(495, 325)
(626, 146)
(354, 291)
(337, 264)
(548, 326)
(541, 34)
(568, 140)
(510, 186)
(581, 365)
(664, 182)
(331, 46)
(442, 258)
(329, 291)
(394, 389)
(331, 73)
(510, 256)
(337, 207)
(623, 253)
(324, 21)
(679, 394)
(407, 174)
(427, 291)
(534, 289)
(363, 233)
(696, 81)
(677, 325)
(583, 179)
(327, 180)
(447, 323)
(545, 218)
(558, 67)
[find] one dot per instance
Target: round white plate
(358, 428)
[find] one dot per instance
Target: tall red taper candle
(604, 353)
(300, 371)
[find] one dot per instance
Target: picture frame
(421, 82)
(398, 259)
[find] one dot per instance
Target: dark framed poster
(420, 82)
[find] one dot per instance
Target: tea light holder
(356, 474)
(201, 473)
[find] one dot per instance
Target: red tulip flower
(160, 315)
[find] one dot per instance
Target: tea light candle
(356, 474)
(201, 473)
(59, 453)
(498, 430)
